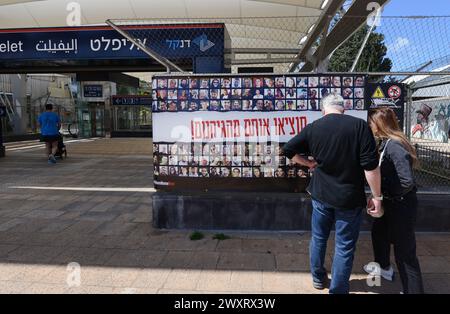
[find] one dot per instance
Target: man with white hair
(344, 152)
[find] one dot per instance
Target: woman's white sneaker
(387, 274)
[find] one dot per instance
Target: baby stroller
(62, 151)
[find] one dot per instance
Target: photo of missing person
(279, 105)
(258, 94)
(313, 81)
(173, 171)
(302, 173)
(163, 171)
(247, 94)
(193, 94)
(348, 104)
(324, 92)
(302, 82)
(173, 83)
(236, 94)
(225, 172)
(173, 160)
(204, 161)
(225, 105)
(302, 93)
(204, 94)
(193, 106)
(269, 93)
(347, 93)
(280, 93)
(279, 82)
(291, 93)
(161, 94)
(225, 93)
(162, 83)
(182, 106)
(236, 105)
(214, 105)
(203, 172)
(193, 171)
(226, 83)
(183, 160)
(258, 105)
(291, 173)
(236, 82)
(325, 81)
(268, 172)
(268, 105)
(214, 172)
(268, 82)
(302, 105)
(246, 105)
(235, 172)
(347, 81)
(246, 172)
(204, 83)
(359, 93)
(258, 82)
(247, 83)
(172, 94)
(214, 94)
(336, 81)
(204, 105)
(360, 81)
(257, 172)
(359, 104)
(290, 105)
(172, 106)
(290, 82)
(183, 84)
(215, 83)
(193, 83)
(313, 104)
(256, 161)
(279, 173)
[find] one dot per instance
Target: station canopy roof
(291, 20)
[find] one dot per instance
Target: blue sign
(132, 100)
(2, 111)
(93, 91)
(172, 41)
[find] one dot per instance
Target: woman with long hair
(397, 225)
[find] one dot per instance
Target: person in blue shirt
(50, 124)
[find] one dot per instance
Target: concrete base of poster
(270, 212)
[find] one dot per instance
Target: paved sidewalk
(102, 221)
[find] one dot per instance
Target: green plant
(196, 236)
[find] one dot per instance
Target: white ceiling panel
(9, 14)
(159, 9)
(205, 8)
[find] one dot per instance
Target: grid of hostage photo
(265, 93)
(236, 160)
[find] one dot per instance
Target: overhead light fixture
(324, 4)
(311, 28)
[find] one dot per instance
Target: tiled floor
(102, 222)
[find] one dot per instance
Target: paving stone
(180, 279)
(246, 261)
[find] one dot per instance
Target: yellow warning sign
(378, 93)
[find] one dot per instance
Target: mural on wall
(431, 120)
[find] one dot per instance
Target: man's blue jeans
(347, 224)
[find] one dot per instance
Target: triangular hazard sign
(378, 93)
